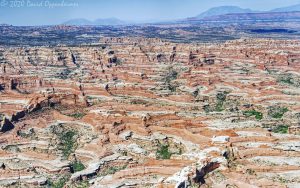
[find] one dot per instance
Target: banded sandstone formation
(138, 112)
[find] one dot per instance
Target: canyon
(146, 112)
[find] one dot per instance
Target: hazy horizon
(46, 12)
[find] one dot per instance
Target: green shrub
(283, 129)
(221, 98)
(206, 108)
(219, 106)
(112, 170)
(163, 152)
(77, 166)
(60, 183)
(258, 115)
(82, 184)
(68, 141)
(286, 79)
(277, 112)
(77, 115)
(169, 77)
(118, 62)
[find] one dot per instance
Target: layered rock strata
(136, 112)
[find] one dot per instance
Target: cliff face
(144, 112)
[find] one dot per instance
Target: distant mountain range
(287, 9)
(3, 24)
(270, 16)
(105, 21)
(232, 13)
(223, 10)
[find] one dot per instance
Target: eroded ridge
(136, 112)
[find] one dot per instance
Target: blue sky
(38, 12)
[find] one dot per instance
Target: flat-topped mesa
(131, 40)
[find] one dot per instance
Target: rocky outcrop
(5, 125)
